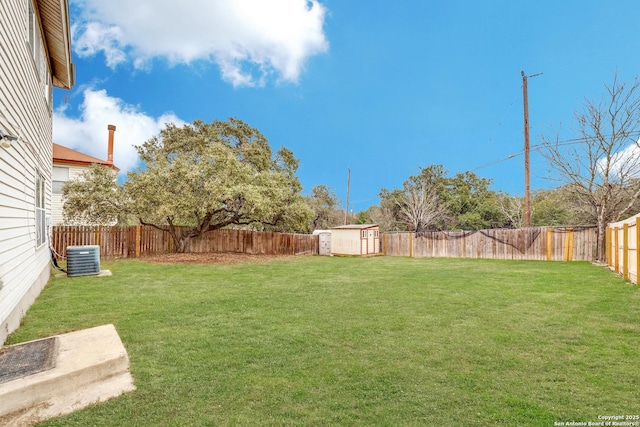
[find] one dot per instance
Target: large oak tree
(205, 176)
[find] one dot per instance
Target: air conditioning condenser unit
(83, 260)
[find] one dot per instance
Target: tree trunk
(182, 243)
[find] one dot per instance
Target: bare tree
(602, 167)
(512, 208)
(419, 205)
(384, 216)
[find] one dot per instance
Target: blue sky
(380, 88)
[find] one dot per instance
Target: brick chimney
(112, 130)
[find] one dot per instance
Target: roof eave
(355, 226)
(57, 161)
(54, 17)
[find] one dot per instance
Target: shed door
(371, 242)
(325, 244)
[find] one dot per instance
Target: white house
(355, 239)
(35, 56)
(70, 164)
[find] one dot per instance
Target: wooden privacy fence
(136, 241)
(622, 242)
(537, 243)
(534, 243)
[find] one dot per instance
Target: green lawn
(349, 341)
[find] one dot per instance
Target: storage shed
(355, 239)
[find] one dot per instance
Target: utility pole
(527, 166)
(346, 211)
(527, 189)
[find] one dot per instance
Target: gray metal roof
(355, 226)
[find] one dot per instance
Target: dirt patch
(211, 258)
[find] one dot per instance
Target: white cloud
(88, 133)
(97, 37)
(250, 40)
(623, 164)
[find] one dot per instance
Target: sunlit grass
(349, 341)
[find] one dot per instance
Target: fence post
(616, 254)
(138, 231)
(637, 249)
(571, 245)
(568, 244)
(549, 244)
(410, 245)
(625, 251)
(608, 243)
(384, 242)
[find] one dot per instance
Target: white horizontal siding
(57, 206)
(57, 216)
(12, 238)
(24, 111)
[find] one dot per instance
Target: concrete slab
(103, 273)
(92, 366)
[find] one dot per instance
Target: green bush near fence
(350, 341)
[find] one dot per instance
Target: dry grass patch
(212, 258)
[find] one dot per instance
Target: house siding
(57, 213)
(25, 111)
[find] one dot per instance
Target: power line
(537, 147)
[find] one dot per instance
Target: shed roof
(62, 154)
(316, 232)
(355, 226)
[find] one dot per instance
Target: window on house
(364, 234)
(35, 41)
(38, 52)
(60, 177)
(31, 27)
(48, 90)
(40, 209)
